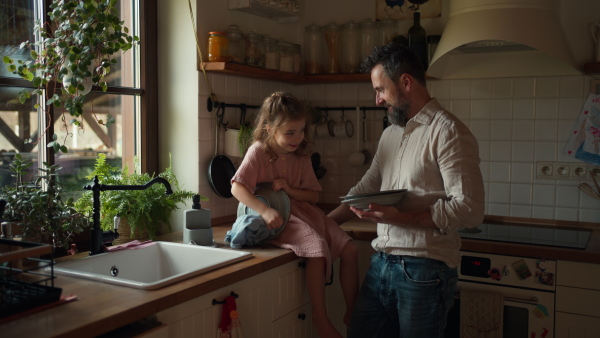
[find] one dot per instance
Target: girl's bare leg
(315, 282)
(349, 277)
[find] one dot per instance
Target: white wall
(521, 107)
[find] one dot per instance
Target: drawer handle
(302, 316)
(301, 264)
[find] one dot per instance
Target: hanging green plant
(75, 51)
(245, 136)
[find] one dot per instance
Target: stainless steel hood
(502, 38)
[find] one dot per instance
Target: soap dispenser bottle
(196, 225)
(196, 218)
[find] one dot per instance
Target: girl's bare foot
(324, 328)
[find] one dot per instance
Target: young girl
(279, 155)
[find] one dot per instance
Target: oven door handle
(530, 301)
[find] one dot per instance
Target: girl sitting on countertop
(279, 155)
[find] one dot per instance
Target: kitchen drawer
(578, 301)
(577, 274)
(297, 323)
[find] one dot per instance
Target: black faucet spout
(99, 237)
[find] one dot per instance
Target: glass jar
(271, 53)
(255, 50)
(297, 58)
(370, 37)
(333, 42)
(389, 30)
(351, 43)
(237, 47)
(217, 47)
(313, 49)
(286, 57)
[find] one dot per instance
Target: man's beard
(398, 114)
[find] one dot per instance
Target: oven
(528, 287)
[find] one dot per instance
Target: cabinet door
(289, 288)
(577, 274)
(579, 301)
(576, 326)
(336, 305)
(296, 324)
(200, 318)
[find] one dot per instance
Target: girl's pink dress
(309, 232)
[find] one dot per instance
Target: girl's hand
(272, 218)
(279, 184)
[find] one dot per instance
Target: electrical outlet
(579, 171)
(563, 171)
(545, 170)
(594, 171)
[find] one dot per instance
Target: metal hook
(222, 115)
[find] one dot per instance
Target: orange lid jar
(217, 47)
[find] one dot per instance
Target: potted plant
(76, 50)
(37, 206)
(142, 212)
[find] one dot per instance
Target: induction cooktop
(565, 238)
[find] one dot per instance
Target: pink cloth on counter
(309, 232)
(130, 245)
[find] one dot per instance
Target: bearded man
(411, 281)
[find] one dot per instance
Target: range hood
(502, 38)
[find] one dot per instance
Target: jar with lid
(255, 50)
(271, 53)
(217, 47)
(333, 42)
(351, 43)
(286, 57)
(389, 30)
(237, 47)
(370, 37)
(313, 49)
(297, 58)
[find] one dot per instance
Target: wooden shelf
(268, 74)
(591, 67)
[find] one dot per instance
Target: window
(128, 99)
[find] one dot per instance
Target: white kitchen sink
(151, 267)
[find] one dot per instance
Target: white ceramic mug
(343, 128)
(322, 129)
(596, 36)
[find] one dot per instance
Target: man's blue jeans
(404, 296)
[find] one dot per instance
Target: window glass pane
(116, 141)
(124, 72)
(17, 18)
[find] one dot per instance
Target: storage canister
(333, 42)
(271, 53)
(313, 49)
(255, 50)
(351, 43)
(286, 57)
(389, 30)
(370, 37)
(237, 46)
(217, 47)
(297, 58)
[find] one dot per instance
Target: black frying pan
(220, 170)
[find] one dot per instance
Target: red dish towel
(230, 323)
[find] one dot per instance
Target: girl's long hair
(278, 109)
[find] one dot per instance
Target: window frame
(147, 92)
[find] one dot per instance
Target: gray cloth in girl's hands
(249, 230)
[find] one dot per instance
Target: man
(410, 284)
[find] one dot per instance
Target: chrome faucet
(99, 237)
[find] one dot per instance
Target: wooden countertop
(103, 307)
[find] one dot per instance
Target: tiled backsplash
(517, 121)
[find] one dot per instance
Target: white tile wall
(517, 121)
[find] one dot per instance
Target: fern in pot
(143, 212)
